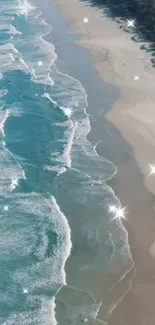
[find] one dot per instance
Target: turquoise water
(52, 181)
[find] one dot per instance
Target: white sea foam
(48, 272)
(3, 120)
(7, 19)
(77, 98)
(11, 57)
(102, 168)
(24, 63)
(24, 8)
(67, 110)
(9, 28)
(44, 49)
(14, 111)
(8, 47)
(13, 30)
(77, 144)
(44, 315)
(46, 95)
(7, 59)
(58, 169)
(12, 171)
(37, 45)
(74, 97)
(3, 92)
(66, 156)
(9, 8)
(61, 225)
(41, 28)
(37, 15)
(46, 52)
(9, 63)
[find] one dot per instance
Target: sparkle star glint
(136, 77)
(68, 111)
(14, 183)
(112, 208)
(85, 20)
(130, 23)
(152, 169)
(25, 291)
(6, 208)
(40, 63)
(119, 213)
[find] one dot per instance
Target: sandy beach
(118, 60)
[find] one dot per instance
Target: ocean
(55, 226)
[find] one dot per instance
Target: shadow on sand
(141, 10)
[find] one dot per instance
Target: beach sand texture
(118, 59)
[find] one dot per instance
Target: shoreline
(136, 305)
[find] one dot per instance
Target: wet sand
(118, 60)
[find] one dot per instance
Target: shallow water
(52, 181)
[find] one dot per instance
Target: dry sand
(118, 59)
